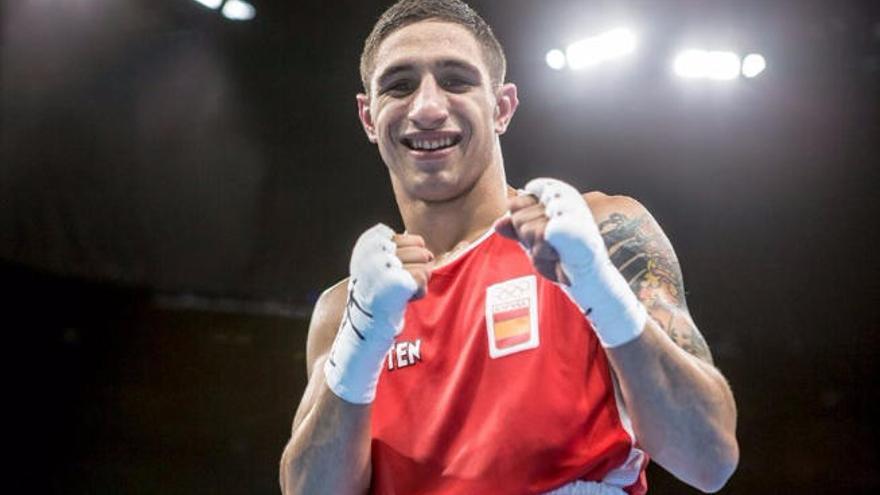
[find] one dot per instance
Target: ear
(506, 102)
(363, 102)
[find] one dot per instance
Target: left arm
(599, 247)
(682, 409)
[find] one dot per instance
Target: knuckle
(413, 254)
(519, 203)
(402, 254)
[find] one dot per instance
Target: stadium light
(555, 59)
(594, 50)
(753, 64)
(238, 10)
(704, 64)
(211, 4)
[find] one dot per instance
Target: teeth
(431, 144)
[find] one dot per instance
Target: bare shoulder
(643, 254)
(603, 205)
(325, 322)
(622, 218)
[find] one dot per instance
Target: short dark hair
(406, 12)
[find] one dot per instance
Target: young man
(508, 342)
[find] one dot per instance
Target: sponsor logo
(404, 353)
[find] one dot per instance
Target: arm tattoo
(646, 259)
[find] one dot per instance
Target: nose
(428, 109)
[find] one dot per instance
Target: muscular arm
(682, 409)
(329, 446)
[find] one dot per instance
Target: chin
(440, 190)
(434, 193)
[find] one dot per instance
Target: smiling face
(434, 111)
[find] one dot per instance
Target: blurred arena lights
(238, 10)
(705, 64)
(594, 50)
(556, 59)
(211, 4)
(753, 64)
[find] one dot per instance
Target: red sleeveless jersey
(498, 385)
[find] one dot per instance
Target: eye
(399, 88)
(455, 84)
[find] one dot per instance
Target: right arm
(329, 446)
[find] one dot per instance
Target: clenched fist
(527, 224)
(555, 224)
(415, 259)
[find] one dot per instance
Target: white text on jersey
(403, 354)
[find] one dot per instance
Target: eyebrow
(394, 70)
(459, 64)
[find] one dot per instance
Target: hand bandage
(596, 285)
(378, 291)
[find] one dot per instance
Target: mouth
(431, 144)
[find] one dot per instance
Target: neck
(449, 225)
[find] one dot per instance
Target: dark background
(176, 190)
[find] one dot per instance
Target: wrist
(364, 337)
(354, 364)
(607, 301)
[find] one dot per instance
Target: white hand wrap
(596, 285)
(378, 291)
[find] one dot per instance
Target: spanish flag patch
(512, 316)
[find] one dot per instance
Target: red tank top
(498, 385)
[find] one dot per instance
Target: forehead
(427, 42)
